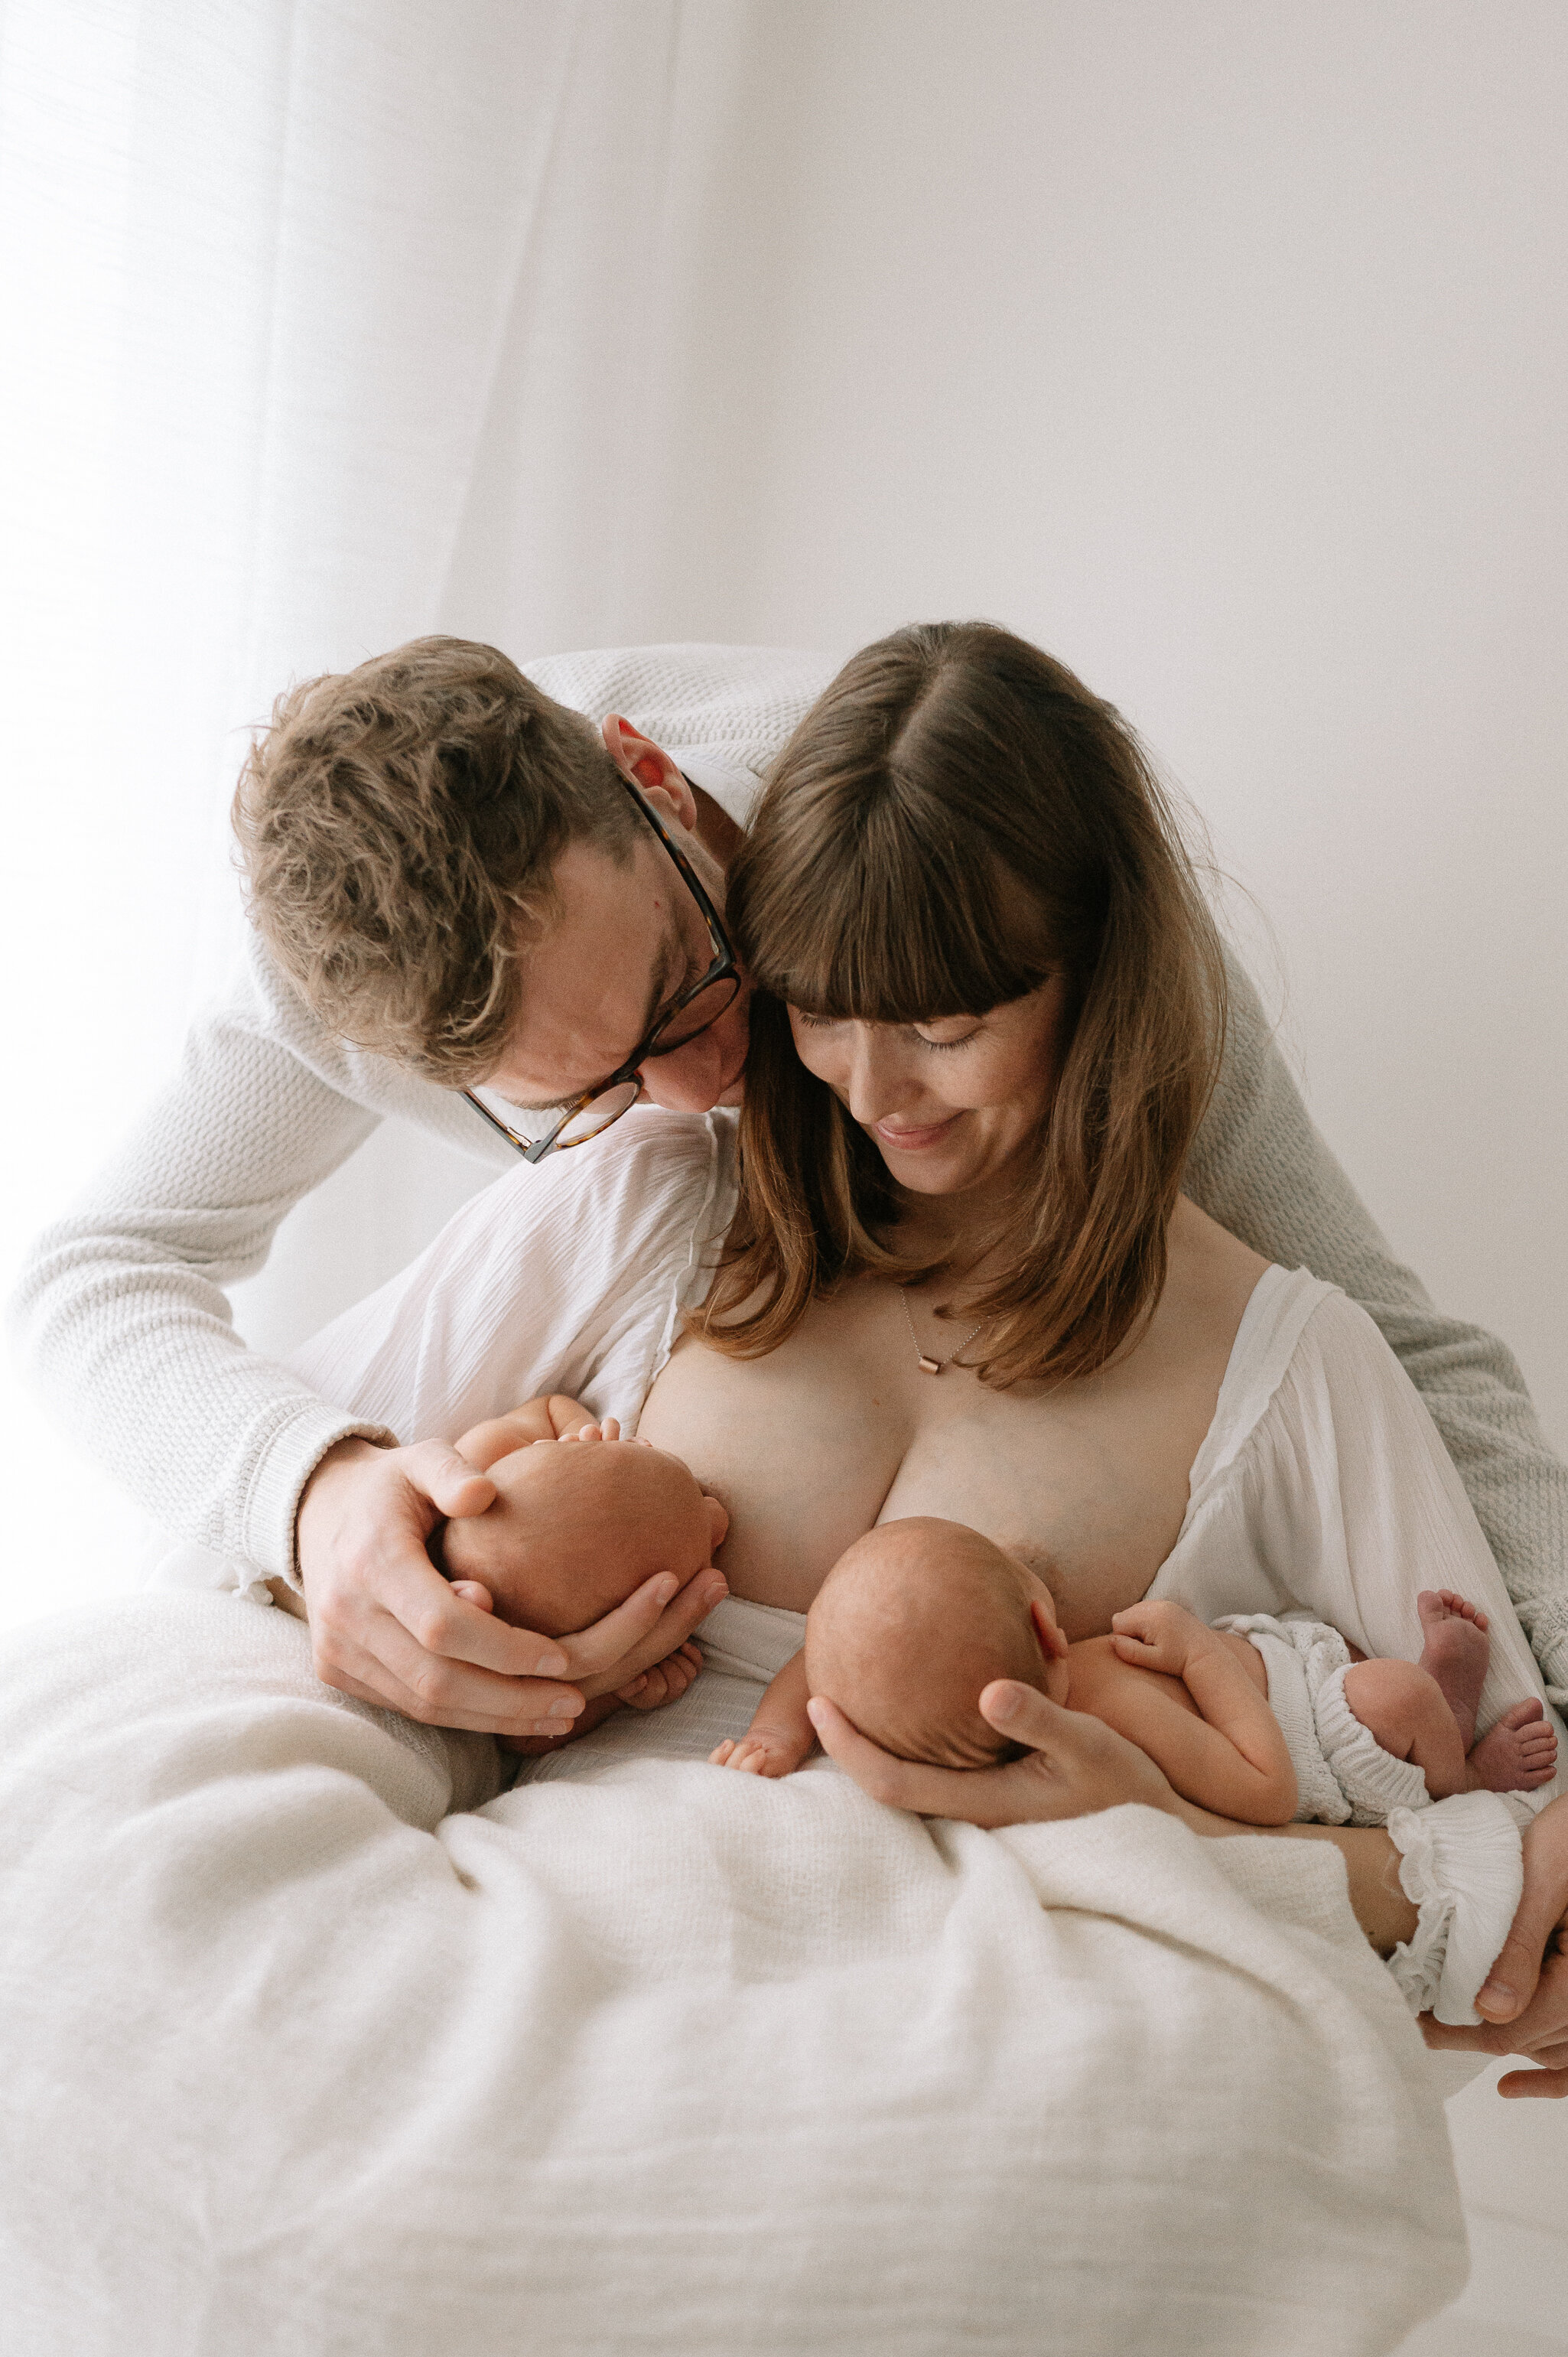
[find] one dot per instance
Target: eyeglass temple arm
(511, 1135)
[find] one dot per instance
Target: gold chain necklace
(923, 1359)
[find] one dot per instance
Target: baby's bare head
(576, 1526)
(912, 1622)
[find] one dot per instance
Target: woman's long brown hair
(957, 819)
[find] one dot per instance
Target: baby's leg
(1403, 1708)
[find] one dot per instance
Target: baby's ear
(718, 1525)
(1053, 1644)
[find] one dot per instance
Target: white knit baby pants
(1460, 1862)
(1343, 1774)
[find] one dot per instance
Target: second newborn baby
(919, 1616)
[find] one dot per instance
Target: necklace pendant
(929, 1366)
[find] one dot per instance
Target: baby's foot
(762, 1753)
(1517, 1754)
(1455, 1653)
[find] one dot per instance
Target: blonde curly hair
(398, 826)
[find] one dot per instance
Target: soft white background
(1219, 345)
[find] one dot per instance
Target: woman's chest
(840, 1429)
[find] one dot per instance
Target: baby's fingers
(719, 1757)
(743, 1755)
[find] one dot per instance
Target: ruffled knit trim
(1462, 1867)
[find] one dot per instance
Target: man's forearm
(1259, 1168)
(121, 1316)
(214, 1441)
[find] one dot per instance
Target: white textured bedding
(312, 2044)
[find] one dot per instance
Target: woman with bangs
(962, 1278)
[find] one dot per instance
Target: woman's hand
(1525, 1996)
(1076, 1765)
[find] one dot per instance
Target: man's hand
(1525, 1996)
(1076, 1765)
(386, 1627)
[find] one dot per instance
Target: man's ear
(648, 765)
(718, 1525)
(1053, 1644)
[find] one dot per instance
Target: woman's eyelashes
(832, 1022)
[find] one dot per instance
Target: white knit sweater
(121, 1310)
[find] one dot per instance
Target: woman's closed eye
(951, 1039)
(921, 1033)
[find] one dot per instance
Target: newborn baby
(919, 1616)
(580, 1519)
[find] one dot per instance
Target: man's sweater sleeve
(121, 1315)
(1259, 1168)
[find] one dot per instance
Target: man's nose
(691, 1080)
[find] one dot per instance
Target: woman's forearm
(1371, 1868)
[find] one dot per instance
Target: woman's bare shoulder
(1212, 1273)
(1212, 1247)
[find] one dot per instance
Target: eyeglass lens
(685, 1022)
(598, 1113)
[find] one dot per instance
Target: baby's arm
(780, 1735)
(1234, 1759)
(554, 1417)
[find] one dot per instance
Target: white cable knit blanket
(311, 2044)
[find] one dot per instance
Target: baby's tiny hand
(666, 1681)
(1157, 1636)
(609, 1430)
(763, 1751)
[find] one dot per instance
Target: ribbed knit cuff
(284, 1467)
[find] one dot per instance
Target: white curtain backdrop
(323, 324)
(1220, 348)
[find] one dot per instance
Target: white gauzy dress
(1322, 1483)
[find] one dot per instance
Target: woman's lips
(912, 1140)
